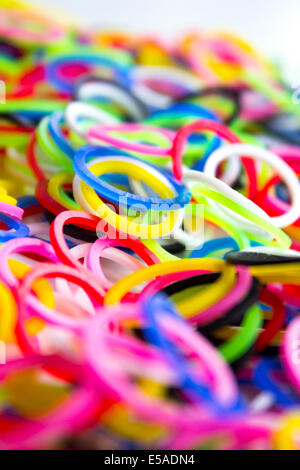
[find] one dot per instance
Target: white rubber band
(285, 172)
(77, 109)
(95, 89)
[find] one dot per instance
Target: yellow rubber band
(122, 287)
(122, 223)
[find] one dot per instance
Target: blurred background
(271, 25)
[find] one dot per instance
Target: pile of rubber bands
(150, 241)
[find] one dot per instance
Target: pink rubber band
(101, 132)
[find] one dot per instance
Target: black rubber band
(245, 258)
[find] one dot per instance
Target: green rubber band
(282, 239)
(236, 347)
(50, 148)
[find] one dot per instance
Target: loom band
(174, 247)
(83, 220)
(223, 435)
(9, 29)
(32, 160)
(232, 309)
(234, 405)
(228, 309)
(22, 124)
(10, 50)
(189, 383)
(290, 290)
(141, 357)
(68, 302)
(59, 82)
(77, 109)
(118, 291)
(233, 94)
(272, 91)
(120, 257)
(95, 87)
(55, 190)
(155, 99)
(286, 437)
(171, 284)
(72, 415)
(290, 353)
(187, 240)
(186, 112)
(54, 127)
(22, 245)
(261, 256)
(213, 294)
(275, 323)
(294, 233)
(4, 197)
(8, 316)
(275, 127)
(17, 229)
(14, 130)
(203, 195)
(40, 107)
(11, 139)
(221, 131)
(30, 205)
(102, 133)
(263, 379)
(279, 273)
(196, 147)
(249, 50)
(76, 233)
(260, 228)
(44, 292)
(153, 410)
(244, 339)
(275, 205)
(15, 165)
(216, 217)
(89, 174)
(181, 110)
(82, 156)
(212, 246)
(140, 196)
(90, 201)
(31, 305)
(50, 147)
(287, 297)
(278, 164)
(45, 200)
(11, 210)
(38, 229)
(159, 251)
(101, 245)
(119, 420)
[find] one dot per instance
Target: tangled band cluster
(150, 239)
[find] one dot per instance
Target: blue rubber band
(20, 230)
(115, 195)
(63, 85)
